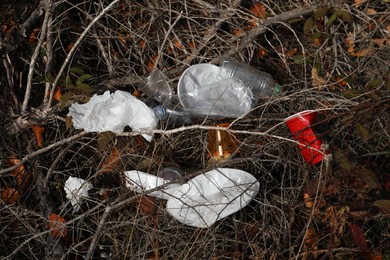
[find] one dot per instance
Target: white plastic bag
(113, 112)
(212, 196)
(141, 182)
(76, 189)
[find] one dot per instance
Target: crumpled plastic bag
(113, 112)
(142, 182)
(204, 199)
(76, 189)
(212, 196)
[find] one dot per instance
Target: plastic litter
(171, 173)
(176, 116)
(300, 128)
(76, 189)
(142, 182)
(113, 112)
(204, 199)
(222, 144)
(212, 196)
(156, 86)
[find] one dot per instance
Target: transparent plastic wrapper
(156, 86)
(176, 116)
(76, 189)
(212, 196)
(203, 90)
(113, 112)
(142, 182)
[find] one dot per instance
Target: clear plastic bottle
(176, 116)
(261, 83)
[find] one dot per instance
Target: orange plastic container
(222, 144)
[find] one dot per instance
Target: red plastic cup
(300, 127)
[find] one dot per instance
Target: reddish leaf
(10, 195)
(57, 226)
(111, 163)
(358, 236)
(258, 10)
(38, 132)
(20, 173)
(147, 205)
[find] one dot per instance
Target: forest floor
(331, 57)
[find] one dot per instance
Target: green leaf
(369, 177)
(383, 205)
(363, 132)
(82, 78)
(77, 71)
(65, 99)
(49, 78)
(320, 12)
(351, 93)
(84, 87)
(345, 16)
(105, 139)
(343, 160)
(299, 59)
(308, 26)
(145, 164)
(347, 119)
(331, 20)
(373, 84)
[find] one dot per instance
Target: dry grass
(118, 49)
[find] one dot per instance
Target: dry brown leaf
(33, 38)
(147, 204)
(350, 41)
(69, 122)
(362, 53)
(57, 94)
(370, 11)
(358, 3)
(316, 80)
(152, 63)
(38, 132)
(308, 201)
(57, 226)
(10, 195)
(237, 31)
(258, 10)
(178, 44)
(261, 52)
(23, 179)
(292, 52)
(111, 163)
(311, 242)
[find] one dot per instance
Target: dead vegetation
(331, 57)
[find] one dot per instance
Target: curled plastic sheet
(142, 182)
(113, 112)
(76, 189)
(212, 196)
(204, 89)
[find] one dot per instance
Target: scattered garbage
(204, 199)
(113, 112)
(300, 128)
(222, 144)
(175, 116)
(76, 189)
(156, 87)
(171, 173)
(142, 182)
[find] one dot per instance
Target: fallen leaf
(383, 205)
(311, 242)
(57, 94)
(308, 26)
(142, 44)
(362, 53)
(10, 195)
(237, 31)
(38, 132)
(152, 63)
(23, 179)
(258, 10)
(33, 38)
(292, 52)
(111, 163)
(370, 11)
(69, 122)
(147, 204)
(57, 226)
(261, 52)
(308, 200)
(363, 132)
(316, 80)
(178, 44)
(358, 3)
(358, 236)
